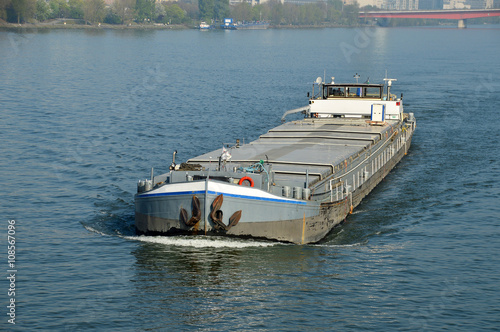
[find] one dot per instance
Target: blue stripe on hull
(179, 193)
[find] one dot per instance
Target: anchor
(196, 213)
(216, 214)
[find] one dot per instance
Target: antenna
(318, 82)
(389, 83)
(356, 76)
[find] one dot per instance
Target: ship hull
(265, 214)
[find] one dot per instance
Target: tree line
(186, 12)
(94, 11)
(322, 12)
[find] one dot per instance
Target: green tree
(370, 8)
(175, 14)
(242, 11)
(144, 10)
(59, 8)
(160, 13)
(94, 10)
(112, 17)
(350, 15)
(260, 13)
(24, 9)
(333, 10)
(336, 4)
(3, 8)
(206, 8)
(276, 11)
(125, 9)
(291, 13)
(310, 14)
(221, 9)
(42, 10)
(190, 10)
(54, 8)
(76, 9)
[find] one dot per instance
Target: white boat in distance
(204, 26)
(229, 24)
(294, 183)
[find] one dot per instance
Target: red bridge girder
(434, 14)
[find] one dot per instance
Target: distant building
(400, 4)
(430, 4)
(489, 4)
(467, 4)
(374, 3)
(252, 2)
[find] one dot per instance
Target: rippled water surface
(85, 114)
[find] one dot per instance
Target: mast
(389, 84)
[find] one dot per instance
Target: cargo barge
(296, 182)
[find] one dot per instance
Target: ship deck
(315, 145)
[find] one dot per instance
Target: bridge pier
(462, 23)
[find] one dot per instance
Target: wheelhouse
(355, 100)
(367, 91)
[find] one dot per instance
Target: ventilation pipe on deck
(172, 166)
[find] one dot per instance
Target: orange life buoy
(246, 178)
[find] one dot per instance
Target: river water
(85, 114)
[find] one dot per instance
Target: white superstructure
(356, 100)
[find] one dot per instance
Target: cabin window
(372, 92)
(333, 91)
(354, 92)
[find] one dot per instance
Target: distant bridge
(461, 15)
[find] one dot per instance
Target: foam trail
(200, 242)
(93, 230)
(340, 245)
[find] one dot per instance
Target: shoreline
(76, 24)
(33, 26)
(61, 25)
(36, 26)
